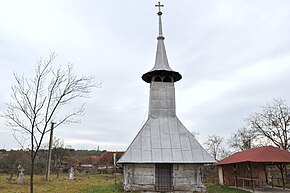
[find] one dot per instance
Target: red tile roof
(108, 156)
(267, 154)
(93, 159)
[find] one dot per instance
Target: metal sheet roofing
(165, 140)
(267, 154)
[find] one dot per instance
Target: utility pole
(49, 151)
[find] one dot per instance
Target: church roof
(161, 62)
(165, 140)
(267, 154)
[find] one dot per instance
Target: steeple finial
(161, 67)
(159, 13)
(159, 6)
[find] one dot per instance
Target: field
(81, 184)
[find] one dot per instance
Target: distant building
(164, 156)
(107, 159)
(88, 164)
(90, 160)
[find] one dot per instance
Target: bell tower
(161, 78)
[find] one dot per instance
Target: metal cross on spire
(159, 5)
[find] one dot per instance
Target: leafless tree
(38, 101)
(243, 139)
(273, 123)
(215, 147)
(195, 134)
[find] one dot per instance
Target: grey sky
(234, 56)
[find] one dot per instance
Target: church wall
(141, 177)
(188, 177)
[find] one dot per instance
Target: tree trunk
(31, 173)
(283, 177)
(281, 168)
(31, 163)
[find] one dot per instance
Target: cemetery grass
(81, 184)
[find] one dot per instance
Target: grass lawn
(82, 184)
(222, 189)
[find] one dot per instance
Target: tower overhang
(147, 77)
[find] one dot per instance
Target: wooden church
(164, 156)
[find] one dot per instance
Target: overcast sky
(234, 56)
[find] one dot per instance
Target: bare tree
(195, 134)
(215, 147)
(58, 151)
(40, 100)
(243, 139)
(273, 123)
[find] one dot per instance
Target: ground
(220, 189)
(82, 184)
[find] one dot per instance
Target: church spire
(161, 70)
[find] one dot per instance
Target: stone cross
(71, 174)
(159, 6)
(20, 178)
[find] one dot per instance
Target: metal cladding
(161, 62)
(163, 138)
